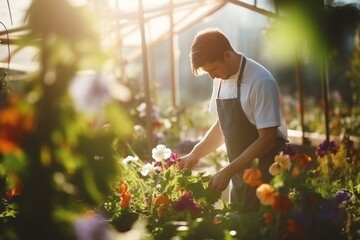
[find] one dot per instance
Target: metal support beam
(149, 127)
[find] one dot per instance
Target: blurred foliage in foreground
(54, 164)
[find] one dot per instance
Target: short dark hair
(208, 46)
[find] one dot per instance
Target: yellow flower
(282, 163)
(283, 160)
(275, 169)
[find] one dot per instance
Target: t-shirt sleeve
(265, 104)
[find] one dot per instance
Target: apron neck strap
(239, 80)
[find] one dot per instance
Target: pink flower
(172, 160)
(187, 203)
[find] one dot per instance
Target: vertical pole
(325, 93)
(149, 127)
(300, 96)
(325, 81)
(174, 79)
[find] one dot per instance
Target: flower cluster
(158, 190)
(299, 204)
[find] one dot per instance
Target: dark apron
(239, 133)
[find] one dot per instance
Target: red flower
(123, 188)
(125, 200)
(281, 203)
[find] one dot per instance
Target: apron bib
(239, 133)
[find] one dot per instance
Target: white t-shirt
(259, 97)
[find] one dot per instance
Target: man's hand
(188, 161)
(219, 182)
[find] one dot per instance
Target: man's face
(218, 69)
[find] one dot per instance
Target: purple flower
(174, 159)
(187, 203)
(289, 150)
(326, 147)
(343, 195)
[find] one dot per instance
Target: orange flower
(125, 200)
(161, 200)
(123, 188)
(281, 203)
(163, 203)
(302, 160)
(265, 193)
(252, 177)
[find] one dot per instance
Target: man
(245, 101)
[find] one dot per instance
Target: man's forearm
(211, 141)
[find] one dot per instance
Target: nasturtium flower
(252, 177)
(160, 153)
(130, 159)
(265, 193)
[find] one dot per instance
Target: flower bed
(306, 199)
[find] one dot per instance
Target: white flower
(282, 163)
(161, 152)
(275, 169)
(130, 159)
(283, 160)
(146, 169)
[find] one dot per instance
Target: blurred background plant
(55, 162)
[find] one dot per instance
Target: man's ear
(227, 54)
